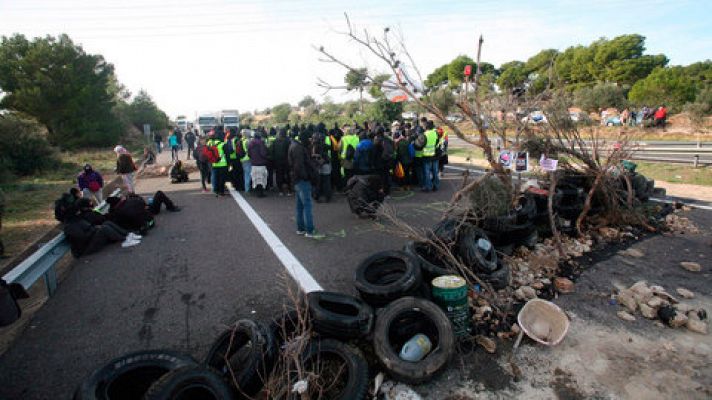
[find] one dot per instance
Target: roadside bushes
(24, 149)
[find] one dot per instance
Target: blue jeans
(305, 223)
(246, 172)
(158, 147)
(217, 179)
(431, 180)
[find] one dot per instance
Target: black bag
(61, 206)
(228, 148)
(10, 311)
(420, 142)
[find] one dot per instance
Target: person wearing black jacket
(88, 231)
(303, 174)
(279, 155)
(134, 214)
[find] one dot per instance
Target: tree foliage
(143, 110)
(619, 60)
(24, 149)
(512, 74)
(72, 93)
(384, 111)
(280, 113)
(670, 86)
(443, 99)
(453, 73)
(306, 102)
(603, 95)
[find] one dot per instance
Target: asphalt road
(197, 272)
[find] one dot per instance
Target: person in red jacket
(660, 116)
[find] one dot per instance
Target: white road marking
(295, 268)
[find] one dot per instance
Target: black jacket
(79, 233)
(300, 163)
(280, 151)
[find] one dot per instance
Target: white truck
(230, 119)
(206, 122)
(182, 123)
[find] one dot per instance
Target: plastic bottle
(416, 348)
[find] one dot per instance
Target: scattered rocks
(563, 285)
(635, 253)
(625, 298)
(525, 293)
(691, 266)
(683, 308)
(696, 326)
(684, 293)
(626, 316)
(609, 233)
(680, 224)
(538, 285)
(679, 320)
(488, 344)
(648, 312)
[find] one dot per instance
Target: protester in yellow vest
(246, 164)
(219, 171)
(431, 178)
(347, 147)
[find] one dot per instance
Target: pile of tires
(515, 229)
(154, 375)
(392, 281)
(364, 194)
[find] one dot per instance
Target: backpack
(387, 154)
(212, 154)
(61, 206)
(420, 142)
(350, 152)
(240, 150)
(228, 148)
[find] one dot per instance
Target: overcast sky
(250, 54)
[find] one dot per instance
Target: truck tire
(386, 276)
(339, 315)
(195, 382)
(355, 382)
(400, 321)
(131, 375)
(500, 278)
(250, 356)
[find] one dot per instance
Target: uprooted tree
(504, 115)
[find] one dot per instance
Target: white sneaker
(301, 232)
(134, 236)
(130, 243)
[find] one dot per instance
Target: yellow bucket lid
(449, 282)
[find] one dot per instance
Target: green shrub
(23, 147)
(603, 95)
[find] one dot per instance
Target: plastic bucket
(450, 293)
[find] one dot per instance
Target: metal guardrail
(41, 263)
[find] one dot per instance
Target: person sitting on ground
(84, 237)
(149, 157)
(67, 200)
(91, 183)
(178, 173)
(133, 213)
(364, 194)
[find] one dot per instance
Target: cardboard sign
(548, 164)
(505, 158)
(521, 162)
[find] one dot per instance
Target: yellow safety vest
(346, 141)
(221, 151)
(244, 145)
(431, 140)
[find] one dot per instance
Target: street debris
(655, 303)
(691, 266)
(391, 390)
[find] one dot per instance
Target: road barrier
(43, 261)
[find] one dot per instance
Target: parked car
(409, 115)
(614, 121)
(455, 118)
(536, 117)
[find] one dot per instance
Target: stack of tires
(518, 228)
(392, 281)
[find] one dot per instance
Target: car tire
(251, 368)
(500, 278)
(472, 255)
(428, 269)
(339, 315)
(195, 382)
(399, 322)
(387, 276)
(356, 386)
(131, 375)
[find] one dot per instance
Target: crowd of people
(656, 117)
(312, 161)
